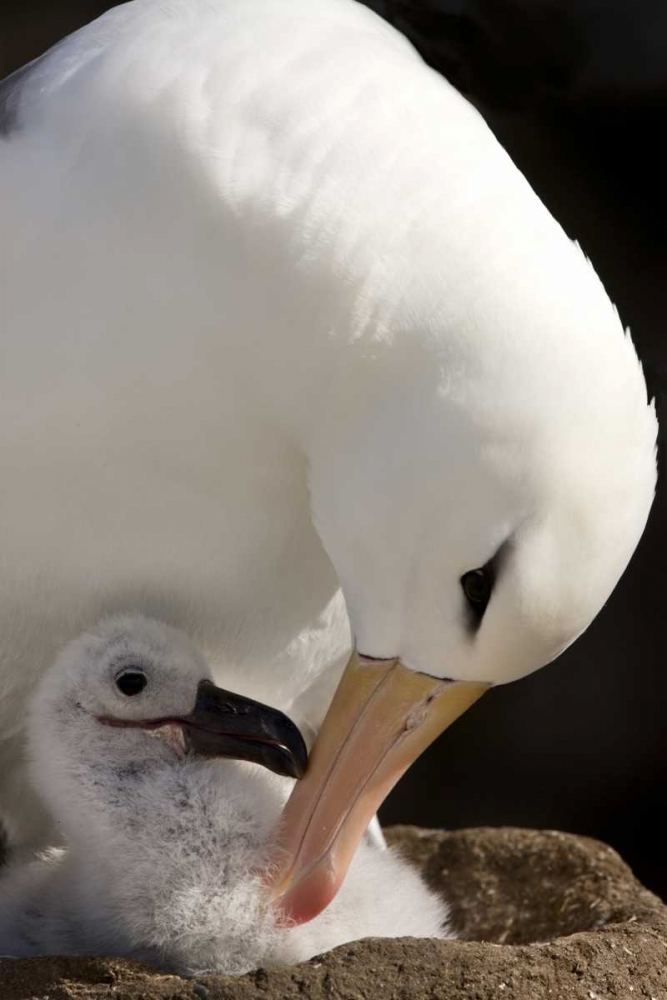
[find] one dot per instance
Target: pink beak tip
(311, 894)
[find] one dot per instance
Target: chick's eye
(131, 682)
(477, 586)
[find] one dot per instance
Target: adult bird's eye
(131, 682)
(477, 585)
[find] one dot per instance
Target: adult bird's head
(479, 494)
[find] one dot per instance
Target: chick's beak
(225, 724)
(382, 717)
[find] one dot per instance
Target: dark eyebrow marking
(499, 557)
(491, 568)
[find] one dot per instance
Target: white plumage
(162, 851)
(279, 316)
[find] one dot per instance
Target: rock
(540, 915)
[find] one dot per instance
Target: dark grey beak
(224, 724)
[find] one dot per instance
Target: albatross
(295, 360)
(165, 839)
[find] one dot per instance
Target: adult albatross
(280, 315)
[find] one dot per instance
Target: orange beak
(382, 717)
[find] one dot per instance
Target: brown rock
(540, 914)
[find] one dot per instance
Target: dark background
(577, 92)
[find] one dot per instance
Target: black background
(577, 91)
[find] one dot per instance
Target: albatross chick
(164, 840)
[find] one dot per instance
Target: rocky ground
(539, 914)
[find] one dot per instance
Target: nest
(539, 915)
